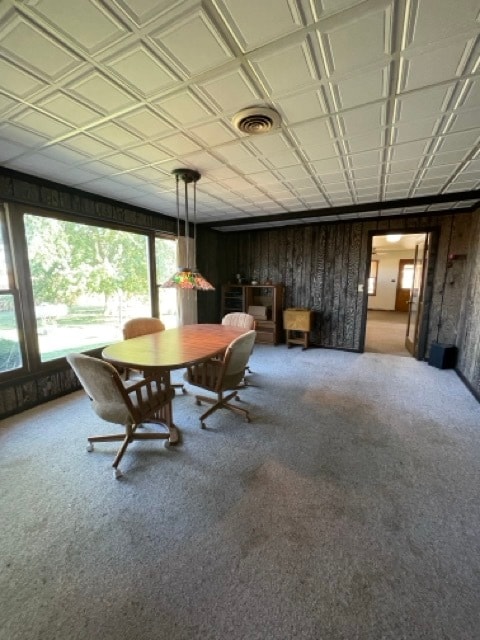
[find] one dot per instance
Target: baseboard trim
(473, 391)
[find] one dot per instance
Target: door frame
(429, 277)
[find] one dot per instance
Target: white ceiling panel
(184, 108)
(101, 92)
(69, 109)
(465, 119)
(302, 106)
(142, 70)
(141, 12)
(17, 81)
(377, 100)
(369, 117)
(272, 19)
(438, 19)
(179, 144)
(22, 136)
(145, 122)
(460, 141)
(231, 89)
(88, 145)
(213, 134)
(209, 50)
(43, 54)
(417, 130)
(434, 65)
(148, 153)
(358, 42)
(423, 103)
(87, 24)
(41, 123)
(288, 69)
(364, 88)
(10, 150)
(114, 135)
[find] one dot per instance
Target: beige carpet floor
(386, 332)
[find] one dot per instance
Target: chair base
(219, 403)
(171, 435)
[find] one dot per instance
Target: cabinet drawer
(265, 337)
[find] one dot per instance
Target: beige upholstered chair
(244, 321)
(127, 403)
(238, 319)
(141, 327)
(222, 375)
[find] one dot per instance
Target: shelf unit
(239, 297)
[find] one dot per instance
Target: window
(372, 278)
(166, 265)
(11, 357)
(406, 279)
(69, 285)
(86, 281)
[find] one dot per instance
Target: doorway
(389, 317)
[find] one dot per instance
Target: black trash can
(442, 356)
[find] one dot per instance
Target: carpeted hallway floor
(348, 509)
(385, 332)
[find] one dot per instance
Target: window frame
(374, 265)
(13, 290)
(19, 268)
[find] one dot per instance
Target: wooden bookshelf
(239, 297)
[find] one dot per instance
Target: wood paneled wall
(323, 265)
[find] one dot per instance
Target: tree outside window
(86, 280)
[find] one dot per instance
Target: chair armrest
(205, 374)
(147, 394)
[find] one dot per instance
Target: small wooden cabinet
(239, 297)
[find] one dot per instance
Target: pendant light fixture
(188, 277)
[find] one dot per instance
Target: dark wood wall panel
(323, 265)
(469, 325)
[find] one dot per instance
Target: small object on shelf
(258, 312)
(268, 298)
(297, 321)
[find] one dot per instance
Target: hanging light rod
(188, 277)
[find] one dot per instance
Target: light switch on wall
(360, 288)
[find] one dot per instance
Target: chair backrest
(102, 383)
(236, 359)
(238, 319)
(141, 327)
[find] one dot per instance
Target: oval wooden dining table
(171, 349)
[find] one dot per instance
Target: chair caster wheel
(237, 398)
(117, 474)
(203, 425)
(247, 419)
(184, 390)
(198, 403)
(90, 447)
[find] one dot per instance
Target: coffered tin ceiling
(379, 103)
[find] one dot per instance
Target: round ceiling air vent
(256, 120)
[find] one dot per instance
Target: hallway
(385, 332)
